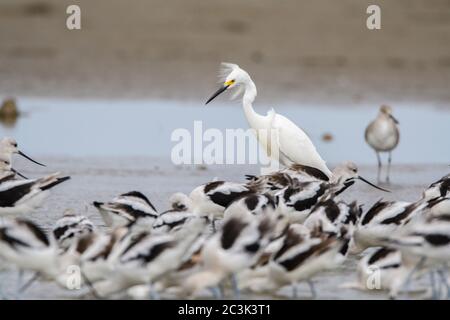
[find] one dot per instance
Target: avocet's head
(233, 77)
(5, 166)
(346, 173)
(387, 111)
(8, 146)
(180, 202)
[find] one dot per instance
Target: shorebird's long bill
(394, 119)
(27, 157)
(371, 184)
(18, 173)
(217, 93)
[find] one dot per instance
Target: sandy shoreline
(304, 52)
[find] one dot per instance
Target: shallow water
(113, 147)
(143, 128)
(95, 178)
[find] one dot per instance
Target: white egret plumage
(292, 143)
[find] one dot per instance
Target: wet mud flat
(95, 178)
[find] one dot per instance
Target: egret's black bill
(18, 173)
(217, 93)
(394, 119)
(27, 157)
(371, 184)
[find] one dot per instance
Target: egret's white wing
(295, 145)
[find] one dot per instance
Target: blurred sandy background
(305, 51)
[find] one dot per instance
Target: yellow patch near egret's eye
(229, 82)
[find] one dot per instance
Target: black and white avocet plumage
(382, 269)
(298, 200)
(126, 208)
(26, 246)
(149, 257)
(301, 258)
(331, 215)
(235, 247)
(68, 229)
(440, 188)
(211, 199)
(23, 196)
(425, 245)
(253, 203)
(382, 220)
(172, 221)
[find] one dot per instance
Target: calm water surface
(143, 128)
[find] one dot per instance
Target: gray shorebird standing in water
(382, 135)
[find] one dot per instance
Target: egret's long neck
(254, 119)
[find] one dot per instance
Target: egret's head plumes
(231, 76)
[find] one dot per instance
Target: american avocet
(425, 244)
(382, 269)
(293, 144)
(68, 229)
(149, 257)
(8, 147)
(212, 198)
(383, 135)
(26, 246)
(235, 247)
(382, 220)
(6, 171)
(440, 188)
(331, 215)
(23, 196)
(253, 203)
(344, 176)
(126, 208)
(301, 258)
(96, 251)
(172, 221)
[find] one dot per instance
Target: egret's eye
(15, 145)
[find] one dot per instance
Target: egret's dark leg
(389, 167)
(379, 166)
(312, 288)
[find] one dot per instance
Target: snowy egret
(291, 142)
(383, 135)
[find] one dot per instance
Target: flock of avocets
(276, 230)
